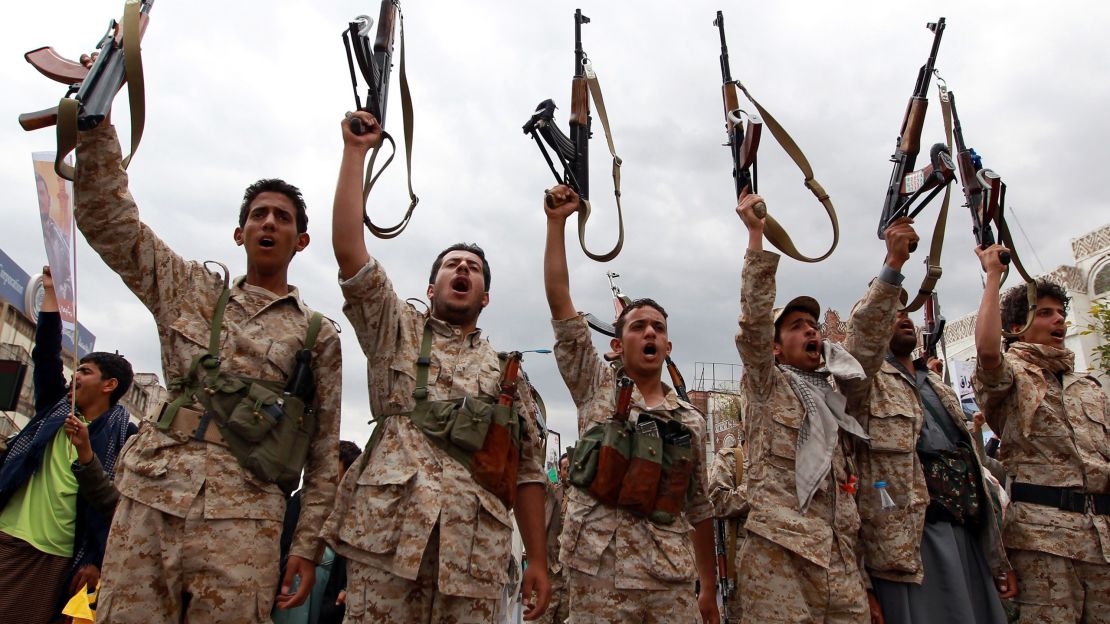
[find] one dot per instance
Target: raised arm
(755, 340)
(872, 320)
(988, 324)
(559, 203)
(347, 237)
(108, 216)
(48, 375)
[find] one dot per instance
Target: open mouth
(460, 284)
(650, 349)
(266, 242)
(812, 346)
(1058, 333)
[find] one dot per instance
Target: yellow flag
(82, 607)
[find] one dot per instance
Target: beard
(902, 345)
(456, 314)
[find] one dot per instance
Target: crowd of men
(857, 495)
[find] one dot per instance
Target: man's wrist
(891, 274)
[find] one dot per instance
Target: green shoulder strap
(313, 330)
(420, 393)
(210, 360)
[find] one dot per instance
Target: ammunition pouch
(483, 437)
(267, 429)
(643, 474)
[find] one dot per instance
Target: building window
(1101, 285)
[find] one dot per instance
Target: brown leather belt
(188, 421)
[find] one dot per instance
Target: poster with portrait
(551, 456)
(56, 215)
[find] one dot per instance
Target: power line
(1027, 241)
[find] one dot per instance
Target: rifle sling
(774, 232)
(584, 211)
(371, 178)
(69, 108)
(936, 244)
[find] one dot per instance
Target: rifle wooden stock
(579, 101)
(39, 119)
(911, 127)
(55, 67)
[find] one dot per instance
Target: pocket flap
(376, 474)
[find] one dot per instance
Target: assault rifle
(906, 185)
(88, 100)
(985, 194)
(725, 585)
(743, 145)
(375, 64)
(573, 152)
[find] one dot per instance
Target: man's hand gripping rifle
(573, 152)
(375, 65)
(93, 84)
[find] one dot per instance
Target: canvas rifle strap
(936, 244)
(371, 178)
(584, 211)
(1030, 283)
(69, 108)
(774, 232)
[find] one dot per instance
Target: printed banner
(551, 456)
(56, 214)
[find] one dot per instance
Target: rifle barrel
(726, 72)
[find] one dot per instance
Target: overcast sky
(238, 91)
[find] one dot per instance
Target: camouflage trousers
(594, 599)
(559, 608)
(1054, 589)
(375, 596)
(161, 568)
(777, 585)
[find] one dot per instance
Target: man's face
(564, 469)
(1049, 324)
(643, 345)
(799, 343)
(458, 293)
(89, 387)
(903, 339)
(44, 195)
(270, 232)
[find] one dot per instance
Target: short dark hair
(275, 185)
(1015, 305)
(348, 453)
(468, 247)
(637, 303)
(113, 366)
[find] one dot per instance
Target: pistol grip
(356, 126)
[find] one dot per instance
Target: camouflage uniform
(890, 411)
(191, 519)
(624, 568)
(1054, 433)
(407, 493)
(794, 566)
(730, 504)
(556, 508)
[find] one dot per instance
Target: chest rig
(480, 432)
(266, 425)
(644, 467)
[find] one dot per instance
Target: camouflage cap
(804, 303)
